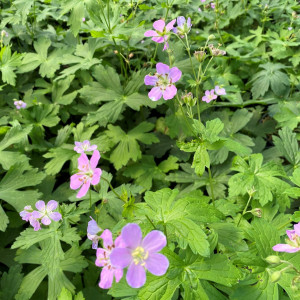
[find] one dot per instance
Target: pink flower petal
(285, 248)
(95, 159)
(40, 205)
(150, 80)
(136, 276)
(106, 236)
(118, 274)
(46, 220)
(119, 242)
(162, 68)
(55, 216)
(166, 46)
(36, 214)
(132, 235)
(158, 39)
(84, 189)
(150, 33)
(170, 25)
(175, 74)
(290, 233)
(106, 278)
(154, 241)
(155, 94)
(75, 182)
(52, 205)
(96, 176)
(83, 161)
(170, 92)
(159, 25)
(157, 264)
(120, 257)
(297, 228)
(101, 259)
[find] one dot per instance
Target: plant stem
(189, 53)
(102, 178)
(90, 198)
(244, 211)
(150, 222)
(211, 186)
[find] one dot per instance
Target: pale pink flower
(293, 241)
(92, 230)
(209, 96)
(161, 32)
(87, 173)
(220, 91)
(84, 146)
(20, 104)
(163, 81)
(46, 213)
(103, 260)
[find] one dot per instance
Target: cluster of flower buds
(188, 99)
(200, 55)
(216, 51)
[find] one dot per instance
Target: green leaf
(127, 145)
(201, 160)
(3, 219)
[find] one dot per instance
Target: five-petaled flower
(140, 254)
(209, 96)
(87, 173)
(293, 241)
(26, 215)
(183, 26)
(84, 146)
(163, 81)
(108, 272)
(20, 104)
(220, 91)
(161, 32)
(45, 212)
(92, 230)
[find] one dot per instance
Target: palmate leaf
(270, 77)
(146, 171)
(52, 259)
(127, 143)
(179, 224)
(8, 64)
(17, 178)
(263, 178)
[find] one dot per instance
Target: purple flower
(103, 260)
(183, 26)
(20, 104)
(213, 5)
(87, 174)
(45, 213)
(209, 96)
(26, 213)
(84, 146)
(140, 254)
(290, 28)
(220, 91)
(4, 33)
(160, 34)
(92, 231)
(293, 242)
(163, 81)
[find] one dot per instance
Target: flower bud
(200, 55)
(130, 55)
(188, 99)
(211, 37)
(116, 52)
(273, 259)
(275, 276)
(256, 212)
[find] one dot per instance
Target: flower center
(163, 81)
(139, 256)
(295, 240)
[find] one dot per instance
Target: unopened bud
(187, 97)
(256, 212)
(116, 52)
(211, 37)
(294, 15)
(273, 259)
(105, 200)
(130, 55)
(251, 192)
(97, 211)
(200, 55)
(275, 276)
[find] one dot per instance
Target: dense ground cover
(193, 107)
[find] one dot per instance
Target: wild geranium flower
(46, 213)
(103, 260)
(20, 104)
(183, 26)
(213, 5)
(140, 254)
(220, 91)
(293, 241)
(161, 32)
(209, 96)
(92, 230)
(84, 146)
(26, 215)
(163, 81)
(87, 173)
